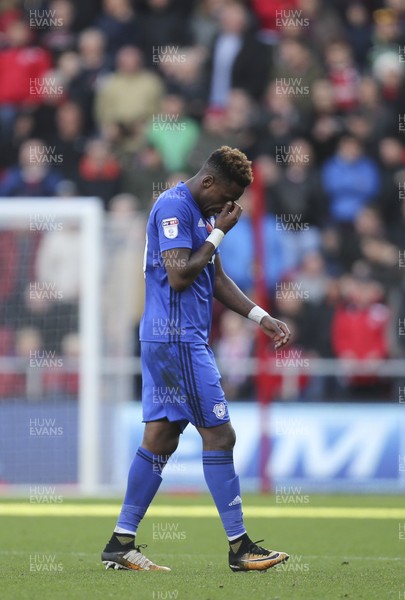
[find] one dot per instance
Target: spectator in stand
(129, 96)
(172, 133)
(367, 225)
(54, 319)
(277, 122)
(68, 139)
(310, 280)
(386, 68)
(239, 117)
(61, 38)
(298, 191)
(21, 64)
(324, 125)
(316, 337)
(83, 86)
(233, 349)
(389, 74)
(322, 24)
(23, 129)
(270, 174)
(85, 14)
(399, 8)
(387, 34)
(234, 52)
(317, 315)
(34, 176)
(9, 262)
(350, 179)
(61, 382)
(343, 75)
(214, 133)
(359, 329)
(306, 298)
(145, 177)
(231, 127)
(124, 285)
(280, 385)
(296, 68)
(205, 22)
(99, 171)
(392, 157)
(378, 119)
(119, 25)
(164, 29)
(184, 79)
(28, 343)
(10, 12)
(376, 256)
(57, 263)
(359, 32)
(55, 92)
(68, 67)
(272, 16)
(237, 249)
(399, 346)
(297, 202)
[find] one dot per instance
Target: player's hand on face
(228, 217)
(276, 330)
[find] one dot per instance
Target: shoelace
(136, 557)
(255, 549)
(138, 548)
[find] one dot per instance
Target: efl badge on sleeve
(171, 227)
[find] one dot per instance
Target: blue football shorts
(181, 382)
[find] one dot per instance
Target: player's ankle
(239, 543)
(120, 542)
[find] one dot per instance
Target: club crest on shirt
(219, 410)
(170, 227)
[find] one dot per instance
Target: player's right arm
(183, 266)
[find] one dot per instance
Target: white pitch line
(211, 554)
(111, 510)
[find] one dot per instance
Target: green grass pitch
(349, 553)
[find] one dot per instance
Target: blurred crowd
(121, 99)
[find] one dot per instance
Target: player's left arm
(231, 296)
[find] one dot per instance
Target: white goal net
(50, 303)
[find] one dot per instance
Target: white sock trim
(122, 530)
(235, 537)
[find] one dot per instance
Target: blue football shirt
(176, 221)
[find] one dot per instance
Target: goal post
(49, 215)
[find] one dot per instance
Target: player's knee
(171, 445)
(229, 439)
(160, 438)
(219, 438)
(159, 446)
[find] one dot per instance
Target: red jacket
(360, 331)
(19, 67)
(268, 10)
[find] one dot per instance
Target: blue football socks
(144, 479)
(223, 483)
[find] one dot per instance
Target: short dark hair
(230, 164)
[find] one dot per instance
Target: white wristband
(215, 237)
(257, 314)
